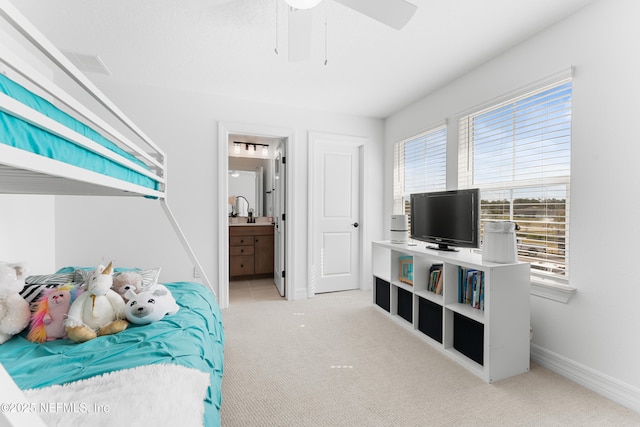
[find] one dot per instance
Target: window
(419, 165)
(519, 154)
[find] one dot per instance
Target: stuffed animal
(150, 305)
(128, 280)
(47, 321)
(97, 311)
(14, 310)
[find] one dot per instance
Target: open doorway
(256, 208)
(253, 184)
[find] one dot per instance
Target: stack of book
(435, 279)
(471, 287)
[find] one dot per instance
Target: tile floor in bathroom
(244, 291)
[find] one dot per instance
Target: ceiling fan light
(302, 4)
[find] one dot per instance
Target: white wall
(27, 231)
(135, 233)
(596, 332)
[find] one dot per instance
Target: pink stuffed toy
(47, 321)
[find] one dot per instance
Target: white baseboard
(611, 388)
(301, 294)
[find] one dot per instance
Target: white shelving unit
(492, 343)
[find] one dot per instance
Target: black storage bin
(430, 319)
(405, 304)
(383, 294)
(468, 337)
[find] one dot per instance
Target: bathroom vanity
(251, 250)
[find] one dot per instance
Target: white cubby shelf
(492, 342)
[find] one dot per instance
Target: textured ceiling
(226, 47)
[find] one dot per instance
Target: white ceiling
(226, 47)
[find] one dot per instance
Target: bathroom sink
(242, 221)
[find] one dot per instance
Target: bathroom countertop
(246, 224)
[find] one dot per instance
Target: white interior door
(279, 203)
(337, 216)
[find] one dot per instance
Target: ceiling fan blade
(394, 13)
(299, 34)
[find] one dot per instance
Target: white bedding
(150, 395)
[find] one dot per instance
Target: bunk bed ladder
(187, 247)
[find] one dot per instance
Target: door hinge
(284, 160)
(282, 274)
(283, 217)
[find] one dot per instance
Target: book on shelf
(435, 278)
(471, 287)
(481, 307)
(438, 289)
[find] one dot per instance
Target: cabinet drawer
(251, 230)
(241, 265)
(241, 240)
(263, 230)
(240, 250)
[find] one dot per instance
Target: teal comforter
(193, 337)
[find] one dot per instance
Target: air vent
(88, 63)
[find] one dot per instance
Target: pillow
(32, 292)
(149, 277)
(34, 285)
(50, 278)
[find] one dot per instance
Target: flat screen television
(447, 219)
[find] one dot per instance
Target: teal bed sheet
(193, 337)
(20, 134)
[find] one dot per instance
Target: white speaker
(399, 229)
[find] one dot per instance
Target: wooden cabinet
(263, 246)
(250, 250)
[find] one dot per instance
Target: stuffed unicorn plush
(14, 310)
(97, 311)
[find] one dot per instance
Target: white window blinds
(518, 153)
(419, 166)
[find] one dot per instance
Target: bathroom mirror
(247, 184)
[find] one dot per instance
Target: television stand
(492, 341)
(442, 247)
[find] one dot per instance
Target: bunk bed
(51, 143)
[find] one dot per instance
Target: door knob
(356, 225)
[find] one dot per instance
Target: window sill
(552, 291)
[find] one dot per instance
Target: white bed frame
(22, 172)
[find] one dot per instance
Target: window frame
(401, 197)
(551, 286)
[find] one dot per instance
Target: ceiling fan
(394, 13)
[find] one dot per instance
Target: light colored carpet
(335, 360)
